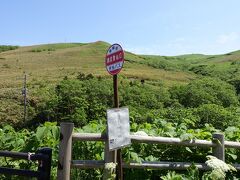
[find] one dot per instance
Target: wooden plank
(232, 144)
(145, 139)
(151, 139)
(89, 137)
(85, 164)
(237, 166)
(166, 165)
(172, 141)
(20, 172)
(65, 151)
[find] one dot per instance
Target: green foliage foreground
(48, 135)
(195, 110)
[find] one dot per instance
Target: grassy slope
(54, 61)
(226, 66)
(48, 64)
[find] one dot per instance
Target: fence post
(45, 165)
(109, 157)
(65, 151)
(219, 150)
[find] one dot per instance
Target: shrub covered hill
(69, 82)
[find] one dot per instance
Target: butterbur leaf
(135, 157)
(172, 175)
(98, 157)
(189, 150)
(233, 156)
(151, 158)
(102, 155)
(50, 124)
(55, 132)
(186, 136)
(40, 133)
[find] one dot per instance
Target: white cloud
(175, 47)
(221, 44)
(228, 38)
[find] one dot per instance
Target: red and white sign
(114, 59)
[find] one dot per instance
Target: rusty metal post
(116, 105)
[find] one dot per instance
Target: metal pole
(24, 92)
(115, 87)
(45, 165)
(110, 156)
(116, 105)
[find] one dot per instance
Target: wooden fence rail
(217, 144)
(43, 156)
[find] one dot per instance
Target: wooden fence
(43, 156)
(67, 136)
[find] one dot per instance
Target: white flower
(109, 171)
(110, 165)
(219, 167)
(216, 163)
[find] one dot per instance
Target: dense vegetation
(48, 135)
(86, 98)
(201, 96)
(194, 110)
(7, 48)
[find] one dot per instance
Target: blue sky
(164, 27)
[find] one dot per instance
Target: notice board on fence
(118, 128)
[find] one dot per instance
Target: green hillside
(52, 62)
(188, 96)
(225, 67)
(47, 65)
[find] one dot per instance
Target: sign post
(114, 59)
(118, 128)
(114, 62)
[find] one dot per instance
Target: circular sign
(114, 59)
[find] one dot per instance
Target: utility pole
(24, 93)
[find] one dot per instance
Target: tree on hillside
(205, 91)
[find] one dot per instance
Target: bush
(217, 115)
(7, 48)
(205, 91)
(236, 83)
